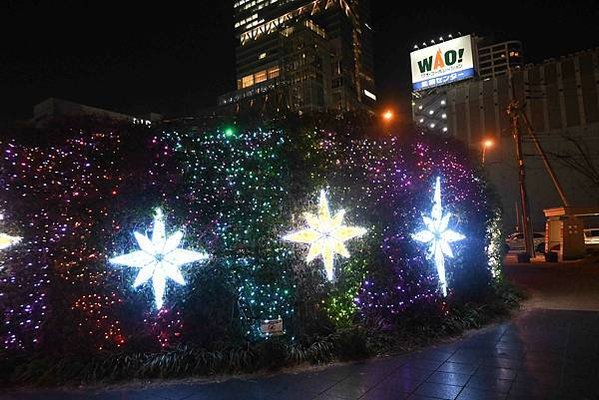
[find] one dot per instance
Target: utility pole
(518, 226)
(558, 186)
(514, 110)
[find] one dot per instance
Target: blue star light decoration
(159, 258)
(438, 236)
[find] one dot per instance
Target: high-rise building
(303, 55)
(561, 100)
(491, 60)
(560, 97)
(496, 59)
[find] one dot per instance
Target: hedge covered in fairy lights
(250, 204)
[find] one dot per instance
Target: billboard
(443, 63)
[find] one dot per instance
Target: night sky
(177, 60)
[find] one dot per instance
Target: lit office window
(273, 72)
(247, 81)
(260, 76)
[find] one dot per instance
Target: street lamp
(388, 115)
(487, 144)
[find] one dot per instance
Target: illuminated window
(370, 94)
(260, 76)
(247, 81)
(273, 72)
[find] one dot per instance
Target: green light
(229, 132)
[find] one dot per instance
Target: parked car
(515, 241)
(591, 237)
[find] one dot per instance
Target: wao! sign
(443, 63)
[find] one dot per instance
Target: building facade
(52, 108)
(560, 99)
(430, 108)
(303, 55)
(497, 58)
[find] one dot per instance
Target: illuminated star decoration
(325, 235)
(7, 240)
(159, 258)
(438, 236)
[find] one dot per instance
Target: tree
(579, 157)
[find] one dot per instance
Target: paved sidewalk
(571, 285)
(550, 351)
(541, 354)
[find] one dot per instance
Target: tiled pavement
(560, 286)
(550, 351)
(541, 354)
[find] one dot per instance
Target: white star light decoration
(438, 236)
(159, 258)
(7, 240)
(326, 235)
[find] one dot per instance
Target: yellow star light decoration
(326, 235)
(7, 240)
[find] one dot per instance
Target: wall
(561, 98)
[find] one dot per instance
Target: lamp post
(486, 144)
(387, 120)
(388, 116)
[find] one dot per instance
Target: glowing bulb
(229, 132)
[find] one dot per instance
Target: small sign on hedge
(272, 327)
